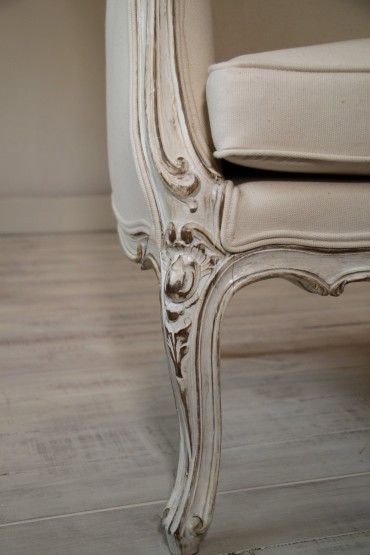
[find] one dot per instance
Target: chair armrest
(173, 157)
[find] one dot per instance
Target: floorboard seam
(296, 483)
(302, 439)
(255, 550)
(163, 501)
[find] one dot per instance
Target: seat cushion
(303, 109)
(324, 214)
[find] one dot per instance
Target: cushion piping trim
(292, 241)
(276, 154)
(328, 69)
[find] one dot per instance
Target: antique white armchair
(301, 117)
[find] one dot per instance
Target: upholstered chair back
(129, 200)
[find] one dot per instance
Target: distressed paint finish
(189, 264)
(197, 277)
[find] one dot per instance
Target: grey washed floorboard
(346, 544)
(88, 427)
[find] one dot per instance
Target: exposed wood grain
(87, 420)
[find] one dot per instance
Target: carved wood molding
(320, 272)
(179, 180)
(184, 170)
(191, 256)
(188, 260)
(175, 177)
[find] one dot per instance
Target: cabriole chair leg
(188, 267)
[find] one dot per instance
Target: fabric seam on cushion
(296, 242)
(214, 68)
(304, 236)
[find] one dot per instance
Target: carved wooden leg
(189, 264)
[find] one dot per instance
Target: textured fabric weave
(195, 52)
(302, 109)
(327, 214)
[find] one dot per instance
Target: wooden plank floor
(87, 422)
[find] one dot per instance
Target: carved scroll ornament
(189, 257)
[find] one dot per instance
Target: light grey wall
(243, 26)
(52, 98)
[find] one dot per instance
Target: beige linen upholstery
(128, 197)
(195, 51)
(302, 109)
(315, 213)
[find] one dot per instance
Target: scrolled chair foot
(186, 539)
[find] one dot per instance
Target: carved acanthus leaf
(189, 257)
